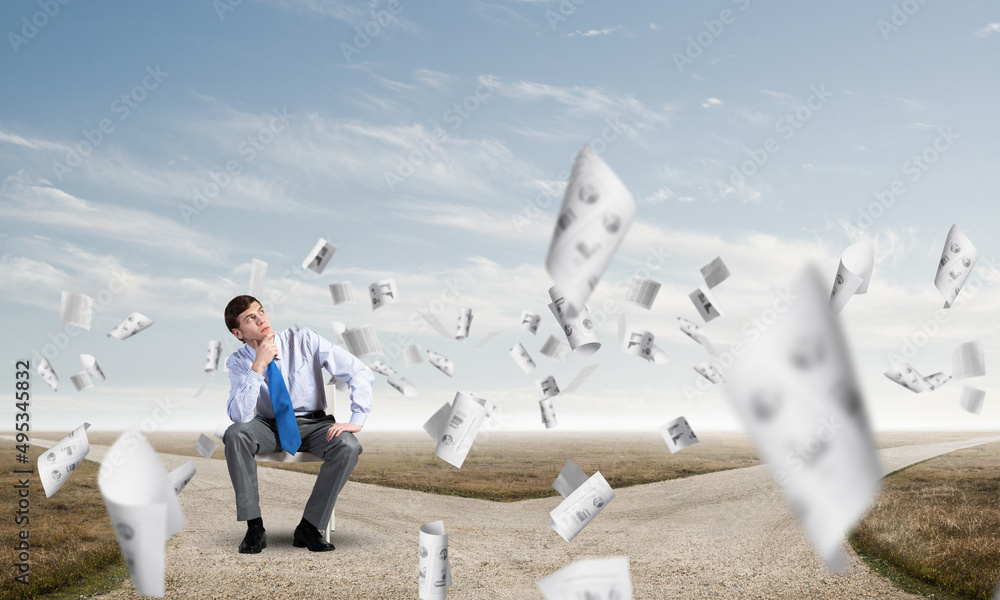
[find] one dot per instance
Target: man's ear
(238, 334)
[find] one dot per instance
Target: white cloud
(593, 32)
(27, 199)
(712, 103)
(989, 30)
(655, 27)
(588, 101)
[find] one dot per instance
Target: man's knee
(238, 434)
(350, 443)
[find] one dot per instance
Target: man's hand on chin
(339, 428)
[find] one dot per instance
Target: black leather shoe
(254, 541)
(307, 536)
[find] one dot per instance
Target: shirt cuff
(359, 419)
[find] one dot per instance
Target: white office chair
(282, 456)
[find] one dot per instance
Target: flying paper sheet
(678, 434)
(968, 361)
(905, 375)
(642, 292)
(705, 302)
(592, 579)
(342, 292)
(403, 386)
(181, 476)
(130, 325)
(596, 213)
(936, 380)
(709, 372)
(554, 348)
(570, 478)
(547, 387)
(464, 323)
(214, 353)
(520, 356)
(465, 416)
(958, 258)
(715, 272)
(338, 332)
(853, 274)
(56, 464)
(640, 343)
(487, 339)
(91, 372)
(530, 321)
(972, 399)
(437, 326)
(443, 363)
(319, 256)
(796, 392)
(362, 341)
(383, 292)
(381, 368)
(433, 565)
(48, 374)
(582, 504)
(696, 333)
(548, 413)
(580, 331)
(76, 310)
(577, 381)
(257, 270)
(143, 508)
(412, 355)
(205, 446)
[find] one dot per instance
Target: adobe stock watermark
(535, 207)
(752, 329)
(713, 30)
(222, 7)
(927, 329)
(455, 115)
(914, 167)
(363, 35)
(788, 125)
(37, 22)
(900, 16)
(221, 179)
(808, 450)
(59, 341)
(566, 8)
(122, 107)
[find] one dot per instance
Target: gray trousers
(243, 441)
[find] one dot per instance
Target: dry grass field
(935, 528)
(72, 542)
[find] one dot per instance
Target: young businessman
(288, 365)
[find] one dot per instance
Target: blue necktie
(281, 403)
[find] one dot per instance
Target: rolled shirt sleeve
(244, 390)
(350, 369)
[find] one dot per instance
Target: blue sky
(434, 149)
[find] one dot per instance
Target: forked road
(721, 535)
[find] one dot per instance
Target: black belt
(316, 414)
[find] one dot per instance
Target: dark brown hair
(236, 306)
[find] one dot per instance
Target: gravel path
(721, 535)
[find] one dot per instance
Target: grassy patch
(935, 528)
(73, 546)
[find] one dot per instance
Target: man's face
(254, 324)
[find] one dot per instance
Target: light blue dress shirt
(302, 355)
